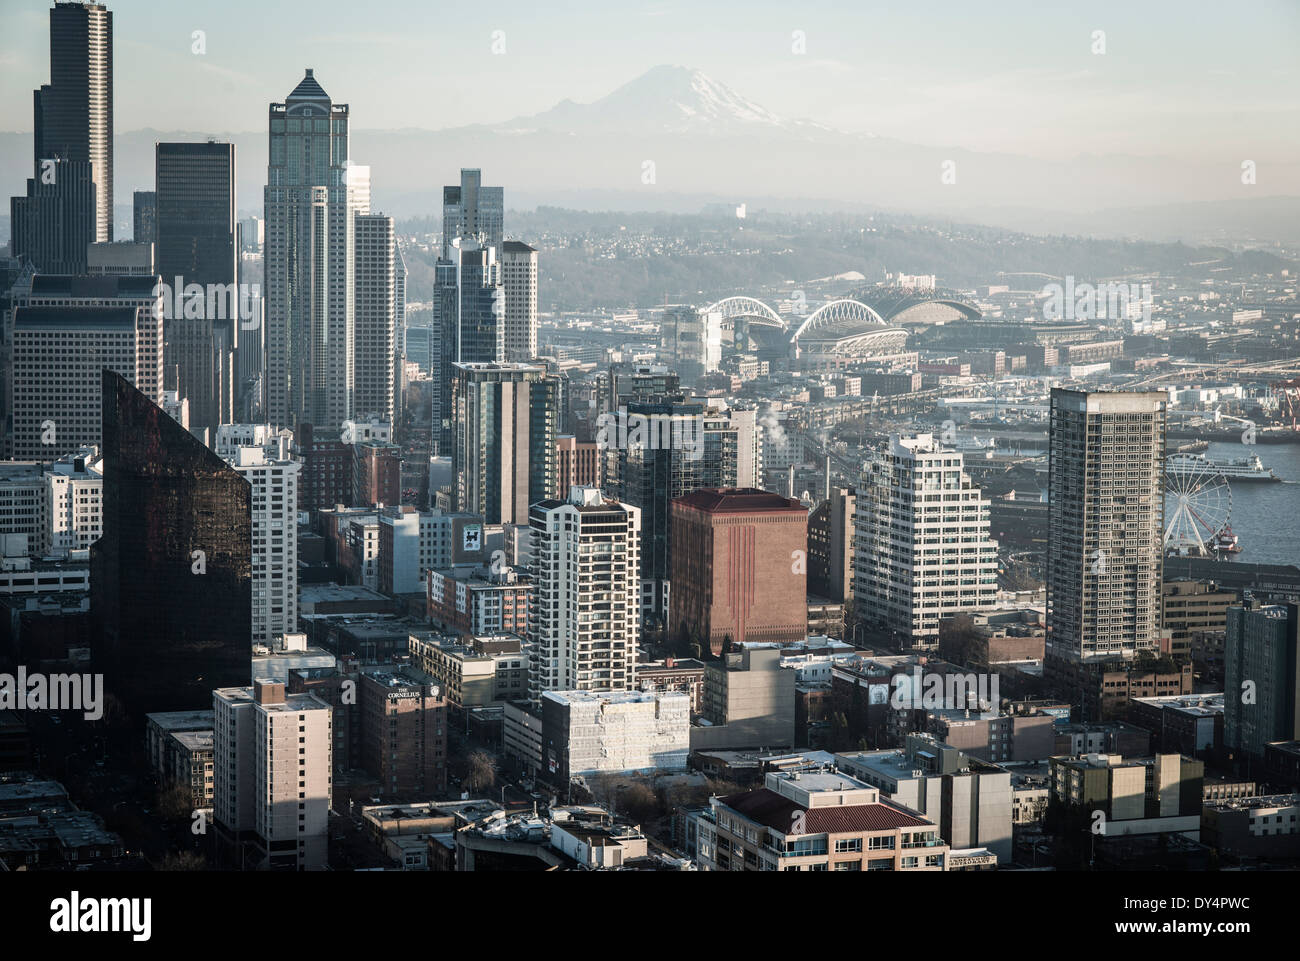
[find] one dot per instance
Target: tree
(184, 861)
(482, 772)
(175, 802)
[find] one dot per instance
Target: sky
(1218, 79)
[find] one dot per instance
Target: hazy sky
(1204, 76)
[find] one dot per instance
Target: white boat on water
(1232, 469)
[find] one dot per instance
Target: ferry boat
(1224, 542)
(1233, 469)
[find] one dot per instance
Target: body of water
(1266, 517)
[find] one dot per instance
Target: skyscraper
(922, 550)
(1105, 553)
(519, 279)
(196, 246)
(262, 457)
(472, 210)
(503, 455)
(73, 114)
(170, 579)
(683, 447)
(468, 308)
(584, 619)
(312, 195)
(64, 333)
(376, 319)
(830, 545)
(1261, 658)
(53, 225)
(144, 217)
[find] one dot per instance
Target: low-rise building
(815, 819)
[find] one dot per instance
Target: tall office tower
(503, 455)
(749, 446)
(1261, 659)
(170, 580)
(468, 306)
(250, 351)
(64, 332)
(691, 341)
(273, 771)
(144, 216)
(472, 210)
(923, 550)
(313, 193)
(682, 447)
(263, 457)
(830, 546)
(55, 222)
(399, 341)
(1105, 544)
(375, 394)
(738, 568)
(73, 115)
(519, 278)
(584, 621)
(197, 255)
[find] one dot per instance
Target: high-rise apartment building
(272, 769)
(171, 577)
(196, 253)
(519, 278)
(576, 463)
(64, 332)
(469, 304)
(376, 391)
(74, 504)
(472, 210)
(691, 341)
(830, 545)
(1105, 557)
(584, 618)
(264, 458)
(503, 456)
(739, 569)
(923, 550)
(680, 447)
(313, 194)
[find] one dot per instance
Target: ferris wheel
(1198, 505)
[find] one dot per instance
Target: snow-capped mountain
(664, 99)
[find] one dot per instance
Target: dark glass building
(171, 578)
(195, 209)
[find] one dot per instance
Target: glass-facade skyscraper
(312, 195)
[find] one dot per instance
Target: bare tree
(482, 772)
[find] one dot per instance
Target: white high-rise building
(1106, 519)
(74, 503)
(376, 320)
(263, 456)
(584, 617)
(312, 196)
(63, 334)
(519, 278)
(922, 550)
(273, 763)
